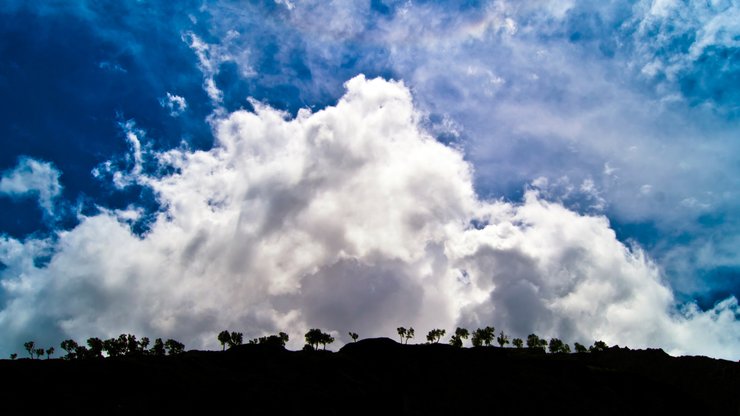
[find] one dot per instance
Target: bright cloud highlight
(348, 218)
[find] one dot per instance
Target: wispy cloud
(175, 103)
(32, 178)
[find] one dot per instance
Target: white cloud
(350, 218)
(129, 170)
(175, 103)
(32, 177)
(212, 56)
(662, 24)
(593, 91)
(209, 59)
(287, 3)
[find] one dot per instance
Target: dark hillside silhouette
(379, 376)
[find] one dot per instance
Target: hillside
(379, 376)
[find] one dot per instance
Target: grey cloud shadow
(351, 295)
(516, 304)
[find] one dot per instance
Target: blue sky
(621, 117)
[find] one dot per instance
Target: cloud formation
(349, 218)
(175, 103)
(604, 100)
(31, 177)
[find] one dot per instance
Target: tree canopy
(70, 346)
(158, 349)
(435, 335)
(174, 347)
(313, 337)
(598, 346)
(409, 334)
(460, 335)
(558, 347)
(535, 342)
(95, 347)
(29, 346)
(278, 340)
(483, 336)
(401, 332)
(502, 339)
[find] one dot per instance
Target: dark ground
(376, 376)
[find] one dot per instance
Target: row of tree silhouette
(127, 344)
(480, 337)
(124, 345)
(486, 336)
(30, 346)
(313, 337)
(233, 339)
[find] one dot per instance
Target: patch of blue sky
(71, 76)
(286, 66)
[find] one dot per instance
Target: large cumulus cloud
(349, 218)
(626, 108)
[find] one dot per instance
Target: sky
(566, 168)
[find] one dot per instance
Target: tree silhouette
(70, 346)
(580, 348)
(81, 352)
(354, 336)
(326, 339)
(502, 339)
(235, 339)
(313, 337)
(29, 347)
(278, 340)
(158, 348)
(13, 356)
(95, 346)
(457, 339)
(224, 337)
(517, 342)
(49, 352)
(483, 336)
(143, 344)
(598, 346)
(409, 334)
(401, 332)
(132, 345)
(39, 352)
(558, 347)
(174, 347)
(114, 347)
(534, 342)
(435, 335)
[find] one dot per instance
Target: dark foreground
(376, 376)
